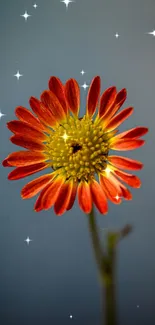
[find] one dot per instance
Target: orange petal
(134, 133)
(19, 127)
(110, 189)
(84, 196)
(72, 197)
(50, 195)
(63, 198)
(26, 116)
(42, 112)
(106, 100)
(125, 163)
(93, 96)
(131, 180)
(99, 197)
(127, 144)
(28, 143)
(39, 203)
(35, 186)
(56, 86)
(119, 118)
(50, 100)
(25, 171)
(72, 93)
(25, 158)
(124, 191)
(118, 102)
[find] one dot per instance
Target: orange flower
(76, 149)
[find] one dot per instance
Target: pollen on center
(78, 148)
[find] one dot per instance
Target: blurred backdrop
(53, 280)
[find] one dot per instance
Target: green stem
(95, 240)
(106, 267)
(109, 290)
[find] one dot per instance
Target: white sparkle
(85, 85)
(67, 2)
(28, 240)
(18, 75)
(26, 15)
(107, 171)
(116, 35)
(1, 115)
(137, 306)
(71, 316)
(117, 197)
(35, 5)
(65, 136)
(152, 33)
(82, 72)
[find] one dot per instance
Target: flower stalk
(106, 261)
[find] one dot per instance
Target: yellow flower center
(79, 147)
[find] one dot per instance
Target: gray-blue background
(55, 276)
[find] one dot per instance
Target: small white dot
(71, 316)
(137, 306)
(116, 35)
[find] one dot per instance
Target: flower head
(76, 150)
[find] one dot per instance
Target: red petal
(72, 93)
(131, 180)
(126, 144)
(25, 158)
(50, 195)
(119, 118)
(50, 100)
(5, 163)
(42, 112)
(110, 189)
(63, 198)
(19, 127)
(106, 100)
(26, 116)
(39, 203)
(125, 163)
(99, 197)
(28, 143)
(72, 197)
(35, 186)
(22, 172)
(93, 96)
(56, 86)
(84, 197)
(119, 100)
(124, 191)
(134, 133)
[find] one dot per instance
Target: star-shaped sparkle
(28, 240)
(117, 197)
(152, 33)
(1, 115)
(82, 72)
(85, 85)
(35, 5)
(65, 136)
(116, 35)
(26, 15)
(67, 2)
(18, 75)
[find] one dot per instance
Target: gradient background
(55, 276)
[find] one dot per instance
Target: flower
(76, 149)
